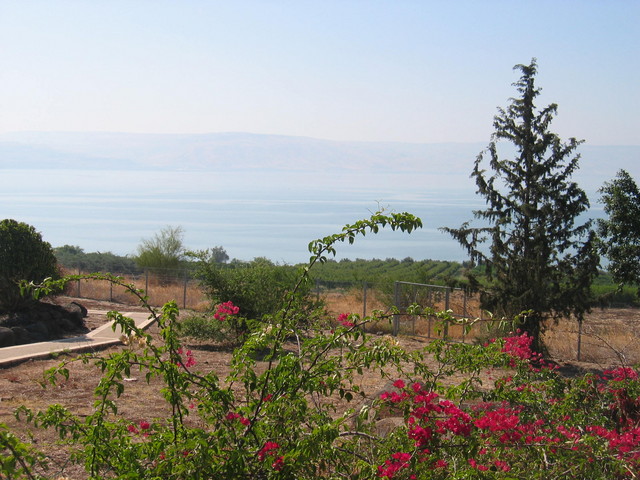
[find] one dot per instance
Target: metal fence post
(579, 340)
(364, 299)
(446, 308)
(184, 291)
(396, 301)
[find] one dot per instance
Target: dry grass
(186, 293)
(609, 336)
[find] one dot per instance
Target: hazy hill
(221, 150)
(245, 151)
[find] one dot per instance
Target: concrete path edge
(101, 337)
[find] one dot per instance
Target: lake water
(258, 213)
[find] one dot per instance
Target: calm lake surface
(256, 213)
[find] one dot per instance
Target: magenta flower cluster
(225, 310)
(495, 432)
(343, 319)
(190, 360)
(270, 449)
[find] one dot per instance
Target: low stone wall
(41, 322)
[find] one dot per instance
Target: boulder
(22, 335)
(38, 331)
(77, 312)
(7, 337)
(42, 321)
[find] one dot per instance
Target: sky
(398, 70)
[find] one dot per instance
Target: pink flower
(144, 425)
(269, 448)
(343, 319)
(391, 467)
(190, 361)
(403, 457)
(226, 309)
(478, 466)
(278, 463)
(620, 374)
(236, 416)
(441, 464)
(399, 384)
(132, 429)
(420, 435)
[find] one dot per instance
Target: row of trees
(165, 250)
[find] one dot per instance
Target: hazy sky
(395, 70)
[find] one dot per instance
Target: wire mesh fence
(365, 297)
(456, 301)
(160, 286)
(606, 336)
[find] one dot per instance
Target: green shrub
(224, 326)
(23, 256)
(202, 327)
(256, 287)
(74, 257)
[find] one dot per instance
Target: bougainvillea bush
(280, 420)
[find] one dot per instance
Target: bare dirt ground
(21, 385)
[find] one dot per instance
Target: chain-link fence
(458, 302)
(606, 336)
(366, 297)
(160, 285)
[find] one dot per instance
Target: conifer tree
(538, 257)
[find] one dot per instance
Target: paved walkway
(102, 336)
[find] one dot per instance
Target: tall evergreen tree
(537, 257)
(620, 232)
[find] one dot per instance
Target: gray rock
(22, 335)
(387, 425)
(7, 337)
(77, 312)
(39, 331)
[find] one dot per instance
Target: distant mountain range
(241, 151)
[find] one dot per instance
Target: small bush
(256, 287)
(225, 325)
(202, 327)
